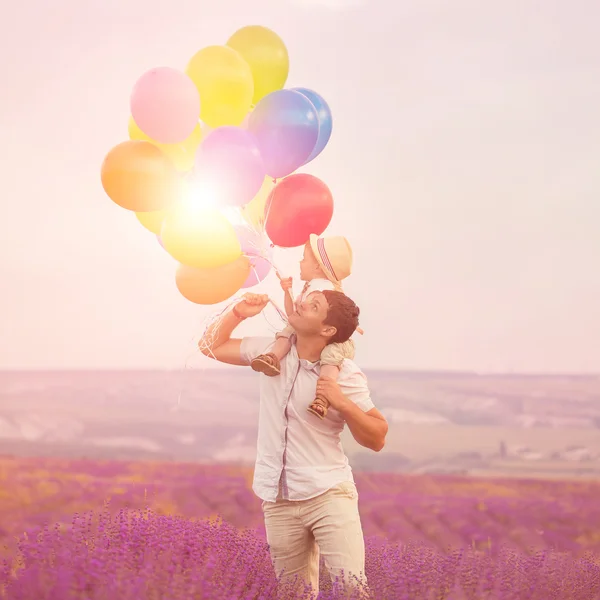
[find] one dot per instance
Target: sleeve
(251, 347)
(354, 385)
(319, 285)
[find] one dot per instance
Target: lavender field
(149, 530)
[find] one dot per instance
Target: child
(326, 262)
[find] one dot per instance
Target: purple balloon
(229, 163)
(286, 127)
(259, 269)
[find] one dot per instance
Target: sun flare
(198, 197)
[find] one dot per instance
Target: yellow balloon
(254, 211)
(199, 237)
(267, 56)
(181, 155)
(210, 286)
(152, 221)
(224, 81)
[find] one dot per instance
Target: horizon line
(398, 371)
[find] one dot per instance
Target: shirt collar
(306, 364)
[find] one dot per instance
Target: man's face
(309, 267)
(309, 315)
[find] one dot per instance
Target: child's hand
(286, 284)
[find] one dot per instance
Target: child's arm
(289, 304)
(288, 301)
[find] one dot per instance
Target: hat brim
(312, 240)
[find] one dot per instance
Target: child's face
(309, 267)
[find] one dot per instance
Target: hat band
(325, 258)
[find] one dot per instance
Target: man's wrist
(344, 404)
(237, 314)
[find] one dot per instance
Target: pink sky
(464, 167)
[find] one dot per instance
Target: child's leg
(282, 346)
(269, 363)
(332, 359)
(331, 371)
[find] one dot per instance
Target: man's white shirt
(293, 444)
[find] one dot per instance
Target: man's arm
(367, 428)
(217, 342)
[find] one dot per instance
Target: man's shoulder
(252, 346)
(351, 372)
(354, 385)
(258, 340)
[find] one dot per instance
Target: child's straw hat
(334, 255)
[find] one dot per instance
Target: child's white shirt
(315, 285)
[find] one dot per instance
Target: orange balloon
(211, 286)
(138, 176)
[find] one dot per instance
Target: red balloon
(297, 206)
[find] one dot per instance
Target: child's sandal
(268, 364)
(319, 407)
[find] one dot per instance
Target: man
(310, 502)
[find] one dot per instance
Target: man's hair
(342, 314)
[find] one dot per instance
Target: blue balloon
(285, 126)
(325, 120)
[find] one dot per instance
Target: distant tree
(502, 449)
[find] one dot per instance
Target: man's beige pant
(329, 523)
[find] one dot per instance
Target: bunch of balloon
(210, 161)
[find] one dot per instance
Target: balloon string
(183, 369)
(272, 245)
(260, 244)
(202, 346)
(265, 242)
(270, 204)
(213, 322)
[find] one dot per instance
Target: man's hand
(251, 305)
(330, 390)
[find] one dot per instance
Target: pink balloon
(165, 104)
(259, 269)
(229, 162)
